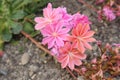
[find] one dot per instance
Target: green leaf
(16, 3)
(19, 14)
(6, 35)
(14, 42)
(16, 27)
(21, 3)
(1, 43)
(33, 34)
(17, 10)
(28, 27)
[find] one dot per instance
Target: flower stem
(71, 73)
(36, 43)
(76, 70)
(88, 5)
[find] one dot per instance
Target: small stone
(33, 68)
(3, 72)
(25, 58)
(87, 12)
(33, 76)
(44, 61)
(113, 31)
(5, 57)
(80, 78)
(16, 52)
(40, 73)
(30, 73)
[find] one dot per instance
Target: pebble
(25, 58)
(5, 57)
(113, 31)
(87, 12)
(3, 72)
(33, 76)
(33, 68)
(44, 61)
(30, 73)
(80, 78)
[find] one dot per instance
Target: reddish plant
(109, 9)
(107, 62)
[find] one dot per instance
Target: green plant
(17, 15)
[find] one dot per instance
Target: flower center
(70, 54)
(79, 38)
(54, 34)
(49, 20)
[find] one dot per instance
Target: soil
(39, 65)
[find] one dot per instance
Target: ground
(35, 65)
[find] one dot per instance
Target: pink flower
(117, 45)
(70, 56)
(81, 36)
(66, 18)
(78, 18)
(49, 16)
(52, 15)
(108, 13)
(54, 34)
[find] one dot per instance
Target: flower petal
(51, 43)
(77, 62)
(71, 64)
(45, 32)
(81, 47)
(85, 29)
(59, 42)
(79, 55)
(38, 19)
(64, 31)
(39, 26)
(47, 40)
(87, 45)
(90, 39)
(47, 11)
(88, 34)
(65, 62)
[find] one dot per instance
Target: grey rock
(25, 58)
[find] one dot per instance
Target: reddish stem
(27, 19)
(36, 43)
(71, 73)
(88, 5)
(76, 70)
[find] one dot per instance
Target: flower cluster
(106, 12)
(110, 9)
(66, 35)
